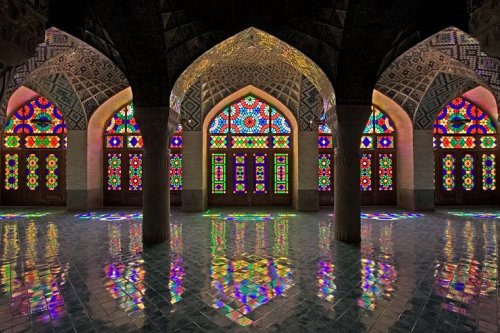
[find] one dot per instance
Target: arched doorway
(34, 156)
(123, 149)
(377, 162)
(465, 146)
(250, 155)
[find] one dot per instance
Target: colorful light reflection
(125, 273)
(20, 215)
(247, 217)
(32, 282)
(478, 215)
(462, 278)
(388, 216)
(249, 279)
(109, 216)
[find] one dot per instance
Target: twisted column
(153, 122)
(347, 225)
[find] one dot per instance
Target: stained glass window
(124, 143)
(366, 172)
(281, 173)
(250, 124)
(114, 172)
(32, 171)
(377, 153)
(52, 174)
(240, 182)
(11, 171)
(325, 172)
(175, 172)
(31, 131)
(448, 172)
(218, 173)
(260, 172)
(465, 138)
(135, 172)
(468, 172)
(489, 172)
(385, 172)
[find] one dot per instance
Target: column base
(416, 200)
(77, 200)
(307, 201)
(193, 201)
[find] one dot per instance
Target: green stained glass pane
(281, 173)
(12, 141)
(260, 173)
(281, 141)
(218, 141)
(488, 142)
(218, 173)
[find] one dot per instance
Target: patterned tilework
(63, 59)
(407, 79)
(443, 89)
(191, 108)
(280, 80)
(57, 88)
(311, 106)
(465, 48)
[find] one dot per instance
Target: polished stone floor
(229, 270)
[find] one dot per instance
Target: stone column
(307, 195)
(194, 185)
(81, 192)
(417, 189)
(347, 225)
(153, 122)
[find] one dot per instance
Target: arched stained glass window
(123, 157)
(377, 161)
(465, 142)
(34, 144)
(249, 143)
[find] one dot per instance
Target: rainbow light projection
(22, 215)
(387, 216)
(248, 279)
(476, 214)
(326, 269)
(109, 216)
(125, 273)
(462, 277)
(31, 282)
(247, 217)
(176, 274)
(378, 273)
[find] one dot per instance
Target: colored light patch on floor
(387, 216)
(247, 217)
(479, 215)
(20, 215)
(109, 216)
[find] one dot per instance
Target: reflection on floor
(221, 270)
